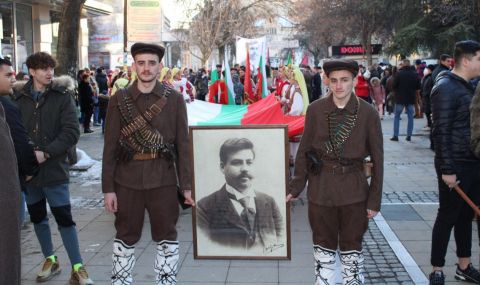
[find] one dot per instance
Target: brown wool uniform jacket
(327, 188)
(172, 123)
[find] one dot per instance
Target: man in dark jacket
(9, 191)
(455, 163)
(24, 147)
(201, 84)
(444, 64)
(85, 97)
(426, 102)
(406, 85)
(103, 98)
(316, 84)
(48, 113)
(102, 81)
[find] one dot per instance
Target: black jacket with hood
(52, 125)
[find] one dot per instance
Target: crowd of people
(146, 135)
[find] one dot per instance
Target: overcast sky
(176, 12)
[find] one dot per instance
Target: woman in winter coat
(85, 94)
(390, 100)
(378, 95)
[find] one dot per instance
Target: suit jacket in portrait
(218, 219)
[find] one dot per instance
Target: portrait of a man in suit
(238, 215)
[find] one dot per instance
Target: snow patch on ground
(84, 161)
(91, 169)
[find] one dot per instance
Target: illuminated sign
(354, 50)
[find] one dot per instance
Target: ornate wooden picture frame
(240, 176)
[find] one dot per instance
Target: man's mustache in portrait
(245, 175)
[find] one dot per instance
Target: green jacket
(52, 125)
(475, 122)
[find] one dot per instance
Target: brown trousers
(341, 226)
(161, 205)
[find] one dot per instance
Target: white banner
(255, 49)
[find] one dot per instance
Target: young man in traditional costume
(146, 166)
(340, 132)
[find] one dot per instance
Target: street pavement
(397, 244)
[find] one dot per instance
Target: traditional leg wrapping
(352, 267)
(123, 263)
(166, 262)
(324, 265)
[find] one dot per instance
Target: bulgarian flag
(214, 76)
(263, 71)
(228, 79)
(289, 59)
(264, 112)
(247, 83)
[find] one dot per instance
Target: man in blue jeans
(406, 85)
(48, 113)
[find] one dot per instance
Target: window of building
(55, 17)
(24, 26)
(272, 31)
(7, 48)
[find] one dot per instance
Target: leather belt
(146, 156)
(337, 169)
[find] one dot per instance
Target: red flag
(218, 93)
(305, 59)
(260, 83)
(247, 83)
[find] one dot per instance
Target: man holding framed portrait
(341, 131)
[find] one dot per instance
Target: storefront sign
(144, 21)
(347, 50)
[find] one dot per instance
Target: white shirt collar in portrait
(250, 193)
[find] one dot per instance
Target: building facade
(31, 26)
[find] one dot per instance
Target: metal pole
(125, 35)
(15, 45)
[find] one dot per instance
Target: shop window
(55, 17)
(7, 48)
(24, 25)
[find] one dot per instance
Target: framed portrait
(240, 185)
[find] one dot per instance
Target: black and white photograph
(240, 180)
